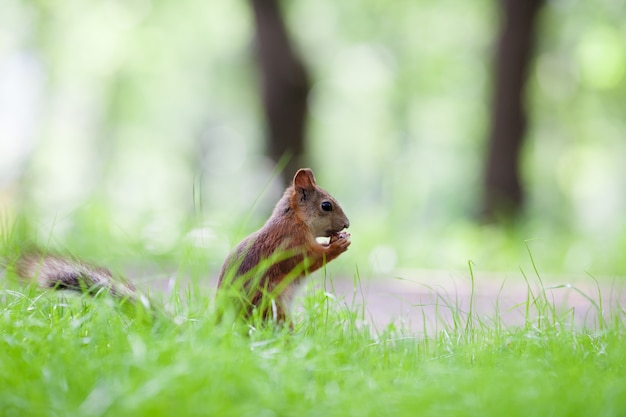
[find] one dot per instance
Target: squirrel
(263, 271)
(267, 265)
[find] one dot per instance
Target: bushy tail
(58, 272)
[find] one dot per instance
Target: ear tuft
(304, 179)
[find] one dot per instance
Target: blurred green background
(138, 124)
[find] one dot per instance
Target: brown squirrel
(264, 269)
(266, 265)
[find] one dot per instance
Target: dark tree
(504, 195)
(285, 86)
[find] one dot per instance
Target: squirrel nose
(347, 224)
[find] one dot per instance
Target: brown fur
(266, 267)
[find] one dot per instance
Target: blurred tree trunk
(285, 86)
(504, 195)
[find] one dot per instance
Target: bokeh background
(140, 127)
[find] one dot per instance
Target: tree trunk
(504, 196)
(285, 86)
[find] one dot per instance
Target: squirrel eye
(326, 206)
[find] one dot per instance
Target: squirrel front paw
(339, 242)
(339, 235)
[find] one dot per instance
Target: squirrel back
(264, 269)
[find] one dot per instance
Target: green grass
(64, 355)
(78, 356)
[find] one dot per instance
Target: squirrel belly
(263, 270)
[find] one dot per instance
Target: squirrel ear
(304, 179)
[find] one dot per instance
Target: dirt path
(425, 300)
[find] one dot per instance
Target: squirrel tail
(64, 273)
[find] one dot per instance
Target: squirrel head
(316, 207)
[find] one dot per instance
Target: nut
(339, 235)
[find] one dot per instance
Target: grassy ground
(78, 356)
(64, 355)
